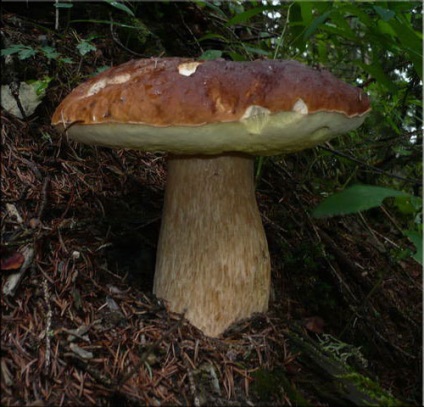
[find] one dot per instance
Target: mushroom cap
(185, 106)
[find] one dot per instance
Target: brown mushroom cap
(209, 107)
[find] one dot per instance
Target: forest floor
(80, 326)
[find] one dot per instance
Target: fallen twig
(14, 279)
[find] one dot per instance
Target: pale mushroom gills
(212, 117)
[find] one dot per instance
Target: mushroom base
(213, 262)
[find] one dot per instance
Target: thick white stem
(213, 261)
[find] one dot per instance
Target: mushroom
(212, 117)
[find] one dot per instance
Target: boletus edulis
(212, 118)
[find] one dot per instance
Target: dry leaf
(12, 262)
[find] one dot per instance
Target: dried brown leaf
(12, 262)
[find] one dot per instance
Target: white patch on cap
(96, 87)
(116, 80)
(254, 110)
(219, 105)
(300, 107)
(188, 68)
(255, 118)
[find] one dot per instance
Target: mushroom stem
(213, 262)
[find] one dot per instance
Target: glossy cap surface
(208, 107)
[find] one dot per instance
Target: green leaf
(211, 54)
(358, 11)
(66, 60)
(409, 204)
(236, 56)
(339, 20)
(15, 48)
(348, 34)
(100, 70)
(300, 18)
(85, 47)
(26, 53)
(246, 15)
(63, 5)
(255, 50)
(417, 239)
(306, 12)
(376, 71)
(214, 7)
(120, 6)
(41, 85)
(385, 28)
(235, 7)
(411, 41)
(50, 52)
(384, 13)
(400, 150)
(9, 51)
(355, 199)
(212, 36)
(315, 24)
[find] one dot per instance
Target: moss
(371, 389)
(266, 384)
(328, 365)
(271, 385)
